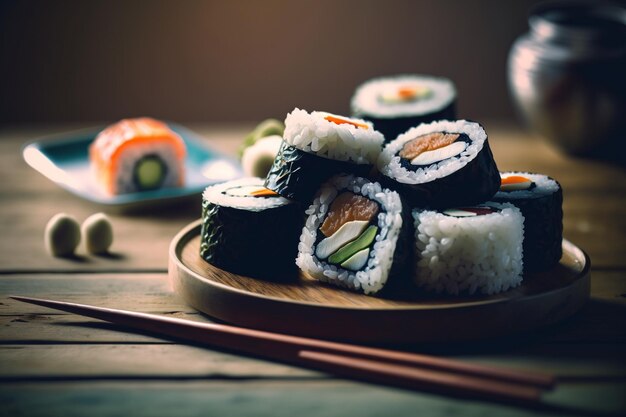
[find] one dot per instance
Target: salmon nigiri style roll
(138, 155)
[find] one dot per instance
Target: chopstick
(407, 370)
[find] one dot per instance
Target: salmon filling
(345, 208)
(427, 142)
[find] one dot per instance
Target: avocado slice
(362, 242)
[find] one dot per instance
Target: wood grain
(283, 398)
(147, 292)
(147, 361)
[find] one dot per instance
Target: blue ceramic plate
(64, 159)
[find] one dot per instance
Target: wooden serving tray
(307, 307)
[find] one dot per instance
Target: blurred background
(226, 61)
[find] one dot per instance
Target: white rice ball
(98, 233)
(62, 235)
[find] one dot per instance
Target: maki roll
(441, 164)
(357, 235)
(540, 199)
(395, 104)
(469, 249)
(317, 146)
(239, 218)
(137, 155)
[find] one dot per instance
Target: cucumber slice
(357, 261)
(362, 242)
(149, 173)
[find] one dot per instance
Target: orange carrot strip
(406, 92)
(340, 121)
(264, 192)
(514, 179)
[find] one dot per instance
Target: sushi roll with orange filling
(357, 235)
(135, 155)
(250, 230)
(540, 199)
(441, 164)
(395, 104)
(318, 145)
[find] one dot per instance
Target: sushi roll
(242, 220)
(395, 104)
(469, 250)
(441, 164)
(540, 199)
(317, 146)
(137, 155)
(357, 235)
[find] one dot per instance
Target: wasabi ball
(62, 235)
(258, 158)
(98, 233)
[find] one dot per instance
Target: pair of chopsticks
(396, 368)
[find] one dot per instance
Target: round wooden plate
(306, 307)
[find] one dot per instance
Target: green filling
(149, 172)
(363, 241)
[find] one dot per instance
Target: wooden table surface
(59, 364)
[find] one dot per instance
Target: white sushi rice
(469, 254)
(544, 185)
(389, 161)
(216, 194)
(366, 99)
(374, 276)
(312, 133)
(124, 182)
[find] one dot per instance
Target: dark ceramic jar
(567, 75)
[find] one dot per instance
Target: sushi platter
(353, 235)
(64, 159)
(306, 307)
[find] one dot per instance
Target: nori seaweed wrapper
(297, 175)
(391, 127)
(236, 240)
(475, 183)
(543, 229)
(400, 279)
